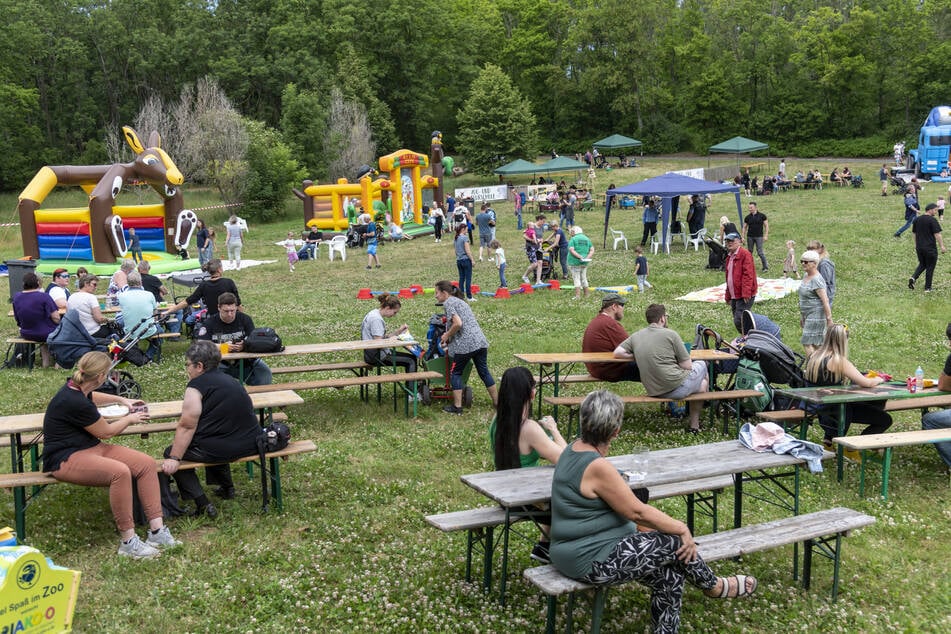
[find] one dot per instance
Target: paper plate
(114, 411)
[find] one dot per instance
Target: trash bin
(17, 269)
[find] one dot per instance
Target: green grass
(351, 552)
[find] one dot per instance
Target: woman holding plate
(73, 431)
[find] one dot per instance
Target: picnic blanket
(768, 289)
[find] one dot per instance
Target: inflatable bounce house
(96, 236)
(397, 192)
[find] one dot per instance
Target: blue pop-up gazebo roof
(666, 186)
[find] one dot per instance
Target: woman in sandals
(602, 534)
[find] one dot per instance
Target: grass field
(351, 552)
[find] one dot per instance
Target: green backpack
(749, 376)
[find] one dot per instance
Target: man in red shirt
(741, 282)
(604, 334)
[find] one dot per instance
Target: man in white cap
(741, 284)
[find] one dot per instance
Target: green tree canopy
(495, 121)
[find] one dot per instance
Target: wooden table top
(322, 348)
(550, 358)
(27, 423)
(852, 394)
(516, 487)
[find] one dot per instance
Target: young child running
(789, 264)
(640, 269)
(371, 238)
(940, 204)
(291, 247)
(499, 261)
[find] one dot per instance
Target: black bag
(274, 437)
(262, 340)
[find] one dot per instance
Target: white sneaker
(138, 549)
(162, 539)
(525, 279)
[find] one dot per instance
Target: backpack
(263, 340)
(749, 376)
(274, 437)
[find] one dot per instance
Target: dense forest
(804, 75)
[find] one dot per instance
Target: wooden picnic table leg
(555, 391)
(737, 500)
(505, 555)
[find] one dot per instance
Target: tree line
(809, 77)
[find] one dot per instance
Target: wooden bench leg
(829, 547)
(275, 477)
(552, 612)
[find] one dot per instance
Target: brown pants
(115, 466)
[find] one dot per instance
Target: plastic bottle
(919, 379)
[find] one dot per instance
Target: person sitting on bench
(218, 424)
(596, 518)
(73, 431)
(942, 418)
(230, 326)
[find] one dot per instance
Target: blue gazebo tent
(667, 186)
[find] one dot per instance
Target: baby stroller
(546, 257)
(435, 359)
(717, 258)
(899, 184)
(125, 350)
(857, 181)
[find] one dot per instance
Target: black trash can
(17, 269)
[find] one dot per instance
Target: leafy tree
(272, 173)
(303, 124)
(495, 121)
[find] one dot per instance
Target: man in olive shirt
(664, 363)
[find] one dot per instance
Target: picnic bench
(515, 489)
(480, 523)
(754, 167)
(870, 444)
(39, 480)
(836, 397)
(18, 427)
(573, 403)
(821, 533)
(354, 381)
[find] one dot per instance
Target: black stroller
(436, 359)
(717, 258)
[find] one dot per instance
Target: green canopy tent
(562, 164)
(738, 145)
(518, 166)
(616, 142)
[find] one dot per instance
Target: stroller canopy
(70, 340)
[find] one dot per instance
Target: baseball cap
(809, 256)
(613, 298)
(732, 236)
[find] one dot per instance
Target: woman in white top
(235, 241)
(84, 302)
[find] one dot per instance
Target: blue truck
(930, 158)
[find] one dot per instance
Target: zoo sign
(35, 596)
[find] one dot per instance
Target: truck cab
(931, 156)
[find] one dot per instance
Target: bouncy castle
(96, 235)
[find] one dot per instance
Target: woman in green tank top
(602, 534)
(518, 441)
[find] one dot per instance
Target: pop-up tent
(738, 145)
(518, 166)
(615, 142)
(667, 186)
(562, 164)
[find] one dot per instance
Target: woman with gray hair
(595, 520)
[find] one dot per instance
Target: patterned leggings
(650, 559)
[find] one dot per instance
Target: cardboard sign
(35, 596)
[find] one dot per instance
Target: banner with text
(483, 194)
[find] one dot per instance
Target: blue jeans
(257, 374)
(909, 220)
(939, 420)
(480, 358)
(502, 282)
(465, 276)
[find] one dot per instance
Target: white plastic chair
(337, 244)
(697, 238)
(619, 237)
(655, 243)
